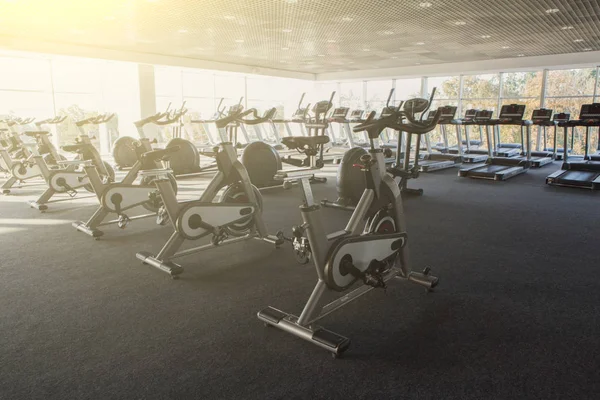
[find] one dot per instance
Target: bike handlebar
(394, 121)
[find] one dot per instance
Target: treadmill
(542, 117)
(579, 173)
(444, 159)
(473, 117)
(509, 111)
(344, 136)
(499, 168)
(560, 119)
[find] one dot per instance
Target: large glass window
(481, 86)
(351, 95)
(522, 84)
(407, 89)
(571, 82)
(25, 74)
(377, 94)
(447, 87)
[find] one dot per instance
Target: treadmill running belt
(578, 176)
(490, 169)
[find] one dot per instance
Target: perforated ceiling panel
(314, 36)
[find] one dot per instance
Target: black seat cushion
(300, 142)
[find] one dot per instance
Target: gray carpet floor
(516, 314)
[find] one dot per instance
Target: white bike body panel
(129, 197)
(363, 252)
(215, 214)
(31, 171)
(74, 180)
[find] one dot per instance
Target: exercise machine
(117, 198)
(583, 173)
(470, 154)
(444, 159)
(497, 167)
(298, 118)
(71, 178)
(542, 118)
(125, 153)
(25, 169)
(369, 255)
(263, 162)
(351, 182)
(235, 217)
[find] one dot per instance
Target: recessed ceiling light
(285, 48)
(460, 23)
(350, 62)
(366, 49)
(394, 57)
(332, 41)
(425, 4)
(287, 30)
(417, 63)
(565, 28)
(578, 40)
(109, 18)
(420, 43)
(520, 55)
(239, 40)
(387, 33)
(230, 17)
(552, 11)
(182, 31)
(587, 49)
(347, 19)
(485, 36)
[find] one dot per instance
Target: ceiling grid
(314, 36)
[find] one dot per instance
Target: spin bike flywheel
(235, 194)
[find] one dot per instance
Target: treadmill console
(387, 111)
(355, 115)
(512, 113)
(448, 114)
(542, 114)
(340, 113)
(320, 109)
(300, 114)
(590, 111)
(470, 114)
(561, 117)
(483, 115)
(238, 108)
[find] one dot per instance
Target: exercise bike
(18, 159)
(69, 179)
(235, 217)
(371, 255)
(264, 163)
(125, 148)
(117, 198)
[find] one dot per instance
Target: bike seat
(156, 155)
(36, 133)
(302, 142)
(74, 148)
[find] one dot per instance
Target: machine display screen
(512, 111)
(590, 111)
(542, 114)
